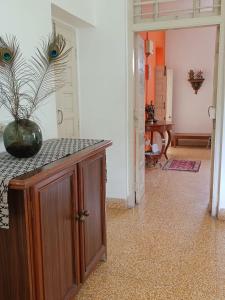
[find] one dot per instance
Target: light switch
(212, 112)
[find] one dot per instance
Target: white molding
(76, 74)
(151, 2)
(157, 13)
(221, 111)
(213, 192)
(217, 172)
(131, 201)
(130, 110)
(219, 126)
(178, 24)
(63, 23)
(173, 13)
(68, 18)
(126, 16)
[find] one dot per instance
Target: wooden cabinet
(57, 229)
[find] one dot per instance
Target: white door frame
(76, 92)
(139, 116)
(177, 24)
(169, 99)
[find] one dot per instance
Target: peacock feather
(6, 55)
(8, 50)
(14, 74)
(24, 86)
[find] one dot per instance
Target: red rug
(182, 165)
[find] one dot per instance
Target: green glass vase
(22, 138)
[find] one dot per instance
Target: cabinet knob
(81, 216)
(86, 213)
(77, 217)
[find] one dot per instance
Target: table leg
(163, 143)
(168, 143)
(152, 134)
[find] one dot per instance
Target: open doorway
(180, 106)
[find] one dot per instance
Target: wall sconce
(196, 80)
(149, 48)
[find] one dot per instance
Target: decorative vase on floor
(22, 138)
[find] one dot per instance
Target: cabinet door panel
(92, 199)
(15, 264)
(59, 238)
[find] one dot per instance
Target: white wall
(103, 90)
(191, 49)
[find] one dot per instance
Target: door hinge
(135, 197)
(106, 175)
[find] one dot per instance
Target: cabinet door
(56, 238)
(92, 202)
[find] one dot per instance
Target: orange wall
(157, 59)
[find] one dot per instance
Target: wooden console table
(162, 128)
(57, 231)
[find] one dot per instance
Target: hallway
(167, 248)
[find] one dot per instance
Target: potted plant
(24, 86)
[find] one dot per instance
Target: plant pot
(22, 138)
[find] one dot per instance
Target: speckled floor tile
(168, 247)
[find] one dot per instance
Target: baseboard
(221, 215)
(122, 203)
(116, 203)
(131, 201)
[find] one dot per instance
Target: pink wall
(158, 58)
(191, 49)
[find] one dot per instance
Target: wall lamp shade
(149, 48)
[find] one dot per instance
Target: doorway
(67, 97)
(165, 110)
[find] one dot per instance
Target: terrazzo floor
(168, 247)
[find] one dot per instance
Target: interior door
(160, 93)
(139, 118)
(169, 97)
(213, 194)
(67, 97)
